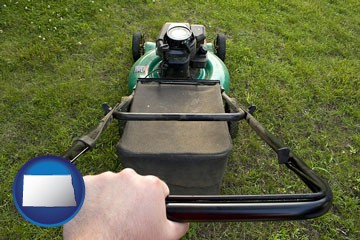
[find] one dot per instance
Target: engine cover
(181, 47)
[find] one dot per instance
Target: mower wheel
(220, 46)
(137, 45)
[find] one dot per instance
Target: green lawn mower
(178, 123)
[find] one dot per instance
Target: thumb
(176, 230)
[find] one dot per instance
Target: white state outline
(48, 191)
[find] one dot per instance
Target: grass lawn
(297, 61)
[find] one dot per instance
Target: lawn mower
(178, 123)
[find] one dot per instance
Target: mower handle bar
(184, 208)
(179, 116)
(257, 207)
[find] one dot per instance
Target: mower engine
(182, 48)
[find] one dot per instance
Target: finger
(165, 188)
(159, 183)
(176, 230)
(128, 171)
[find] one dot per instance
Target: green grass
(297, 61)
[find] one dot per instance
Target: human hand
(124, 205)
